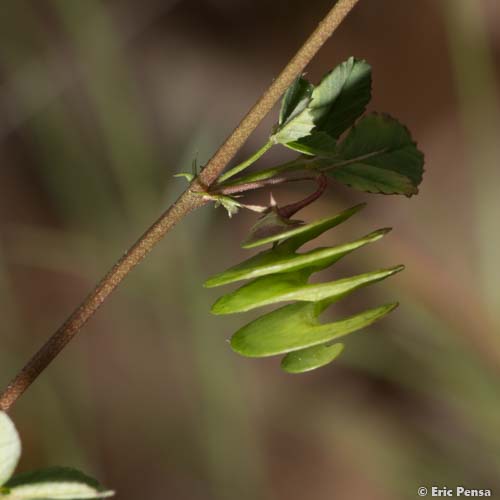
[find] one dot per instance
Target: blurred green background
(101, 103)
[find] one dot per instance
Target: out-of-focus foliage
(10, 444)
(46, 484)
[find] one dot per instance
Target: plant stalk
(250, 161)
(259, 184)
(187, 202)
(290, 210)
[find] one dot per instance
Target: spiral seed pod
(281, 274)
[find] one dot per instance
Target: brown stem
(186, 203)
(292, 70)
(251, 186)
(290, 210)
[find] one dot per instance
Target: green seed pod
(281, 274)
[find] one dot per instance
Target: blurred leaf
(48, 484)
(186, 175)
(310, 358)
(379, 156)
(10, 448)
(54, 483)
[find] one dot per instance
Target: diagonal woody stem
(187, 202)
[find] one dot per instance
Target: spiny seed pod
(281, 274)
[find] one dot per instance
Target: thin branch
(301, 164)
(290, 210)
(252, 186)
(293, 69)
(282, 172)
(250, 161)
(186, 203)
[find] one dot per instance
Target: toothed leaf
(354, 78)
(332, 106)
(379, 156)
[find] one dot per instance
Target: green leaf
(317, 144)
(260, 292)
(374, 180)
(292, 286)
(186, 175)
(376, 155)
(280, 260)
(335, 104)
(300, 234)
(353, 78)
(297, 126)
(296, 120)
(311, 358)
(345, 76)
(269, 227)
(230, 204)
(295, 239)
(295, 100)
(280, 274)
(54, 483)
(10, 448)
(292, 240)
(379, 156)
(295, 327)
(49, 484)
